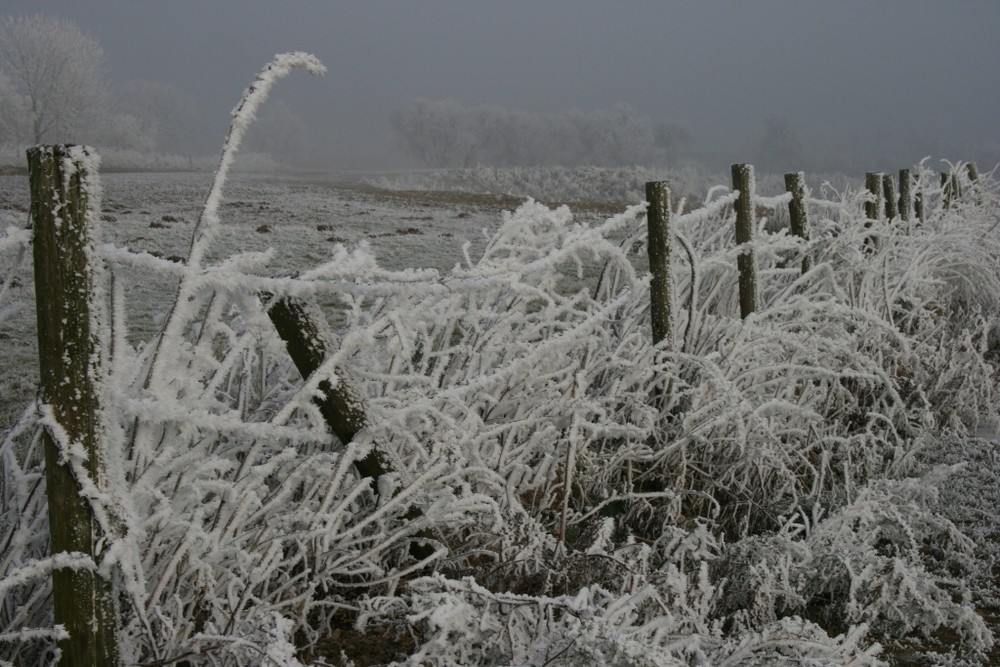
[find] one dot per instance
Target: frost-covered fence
(342, 406)
(746, 225)
(905, 194)
(659, 242)
(798, 214)
(889, 194)
(551, 486)
(65, 209)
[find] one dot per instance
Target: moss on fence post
(70, 359)
(342, 406)
(661, 288)
(795, 183)
(746, 224)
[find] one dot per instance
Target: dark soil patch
(374, 646)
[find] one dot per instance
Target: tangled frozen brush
(550, 487)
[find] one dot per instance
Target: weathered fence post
(795, 183)
(918, 205)
(342, 407)
(972, 171)
(949, 189)
(905, 196)
(873, 207)
(889, 195)
(63, 187)
(873, 183)
(661, 288)
(746, 224)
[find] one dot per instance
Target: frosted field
(301, 220)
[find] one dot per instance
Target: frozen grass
(557, 491)
(576, 185)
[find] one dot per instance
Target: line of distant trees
(54, 89)
(447, 133)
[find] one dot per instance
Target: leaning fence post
(795, 183)
(64, 193)
(661, 288)
(746, 223)
(905, 198)
(342, 406)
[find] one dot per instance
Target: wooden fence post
(905, 196)
(948, 192)
(342, 407)
(889, 195)
(746, 224)
(873, 207)
(62, 183)
(661, 288)
(873, 183)
(972, 171)
(795, 183)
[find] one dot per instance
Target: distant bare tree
(166, 115)
(57, 71)
(13, 112)
(436, 132)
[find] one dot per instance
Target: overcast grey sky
(875, 78)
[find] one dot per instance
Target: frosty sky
(876, 79)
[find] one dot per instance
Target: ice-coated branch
(243, 116)
(208, 221)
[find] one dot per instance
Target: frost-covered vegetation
(576, 184)
(555, 490)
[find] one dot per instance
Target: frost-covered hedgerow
(554, 489)
(569, 184)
